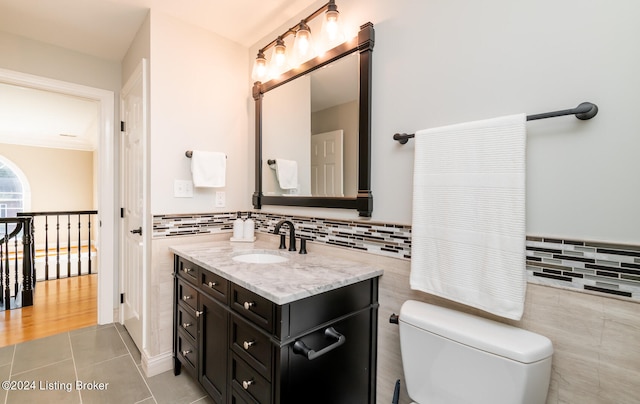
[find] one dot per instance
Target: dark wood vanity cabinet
(243, 348)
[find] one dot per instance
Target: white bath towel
(287, 173)
(468, 230)
(208, 169)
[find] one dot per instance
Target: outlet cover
(220, 199)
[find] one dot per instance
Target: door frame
(107, 245)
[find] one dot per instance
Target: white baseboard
(157, 364)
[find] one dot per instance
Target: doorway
(106, 190)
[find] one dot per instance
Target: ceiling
(105, 29)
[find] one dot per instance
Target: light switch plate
(183, 189)
(220, 199)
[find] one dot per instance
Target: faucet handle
(282, 242)
(303, 246)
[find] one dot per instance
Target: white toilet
(450, 357)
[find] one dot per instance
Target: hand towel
(468, 226)
(287, 173)
(208, 169)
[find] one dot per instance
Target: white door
(132, 174)
(327, 164)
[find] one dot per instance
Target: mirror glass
(313, 121)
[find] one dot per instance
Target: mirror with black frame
(317, 117)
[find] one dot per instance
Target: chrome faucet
(292, 235)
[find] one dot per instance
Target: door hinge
(122, 212)
(121, 298)
(122, 126)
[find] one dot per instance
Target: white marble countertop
(299, 277)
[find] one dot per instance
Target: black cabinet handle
(301, 348)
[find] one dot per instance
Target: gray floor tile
(5, 371)
(90, 328)
(6, 354)
(125, 383)
(52, 384)
(204, 400)
(104, 354)
(131, 346)
(94, 346)
(41, 352)
(170, 389)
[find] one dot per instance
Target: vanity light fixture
(303, 45)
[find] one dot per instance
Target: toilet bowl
(450, 357)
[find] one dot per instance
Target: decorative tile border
(185, 225)
(608, 268)
(612, 269)
(376, 238)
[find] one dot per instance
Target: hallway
(59, 305)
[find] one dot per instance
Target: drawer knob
(212, 284)
(187, 270)
(247, 383)
(185, 325)
(185, 353)
(186, 297)
(248, 305)
(248, 344)
(199, 313)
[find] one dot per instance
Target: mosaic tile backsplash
(612, 269)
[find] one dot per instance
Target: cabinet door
(344, 375)
(213, 348)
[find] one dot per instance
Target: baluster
(79, 246)
(15, 261)
(57, 246)
(46, 248)
(2, 302)
(7, 270)
(89, 246)
(68, 246)
(27, 263)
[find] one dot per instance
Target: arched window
(15, 194)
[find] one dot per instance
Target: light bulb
(332, 32)
(259, 72)
(303, 44)
(279, 54)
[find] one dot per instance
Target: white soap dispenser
(249, 228)
(238, 228)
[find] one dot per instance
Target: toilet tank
(450, 357)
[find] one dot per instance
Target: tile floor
(53, 366)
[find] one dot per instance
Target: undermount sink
(260, 257)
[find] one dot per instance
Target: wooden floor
(59, 305)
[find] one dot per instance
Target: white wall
(448, 61)
(199, 100)
(286, 124)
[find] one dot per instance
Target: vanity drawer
(187, 352)
(187, 322)
(255, 308)
(251, 345)
(188, 270)
(247, 379)
(214, 285)
(187, 295)
(239, 398)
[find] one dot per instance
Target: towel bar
(584, 111)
